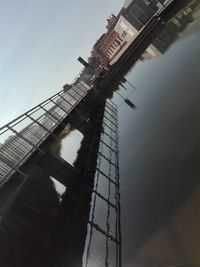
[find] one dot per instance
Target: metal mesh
(103, 243)
(21, 137)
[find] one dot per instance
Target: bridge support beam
(81, 123)
(80, 116)
(58, 168)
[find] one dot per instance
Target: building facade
(110, 43)
(124, 28)
(138, 12)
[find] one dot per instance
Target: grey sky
(40, 43)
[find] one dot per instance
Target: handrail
(29, 110)
(23, 135)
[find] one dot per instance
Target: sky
(40, 43)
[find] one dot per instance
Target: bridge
(81, 226)
(91, 201)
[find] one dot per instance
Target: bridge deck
(24, 135)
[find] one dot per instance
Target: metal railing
(103, 242)
(23, 135)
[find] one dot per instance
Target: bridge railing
(22, 136)
(103, 242)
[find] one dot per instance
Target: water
(159, 177)
(68, 143)
(159, 158)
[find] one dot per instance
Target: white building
(125, 30)
(160, 4)
(127, 33)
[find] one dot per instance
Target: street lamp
(124, 80)
(127, 101)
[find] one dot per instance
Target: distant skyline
(41, 41)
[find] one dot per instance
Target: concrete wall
(139, 12)
(125, 30)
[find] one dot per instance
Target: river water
(160, 158)
(159, 145)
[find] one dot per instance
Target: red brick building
(109, 44)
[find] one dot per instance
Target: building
(158, 3)
(124, 28)
(110, 43)
(127, 33)
(111, 21)
(138, 12)
(135, 15)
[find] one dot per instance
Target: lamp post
(127, 101)
(124, 80)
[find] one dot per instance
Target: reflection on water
(194, 26)
(181, 24)
(68, 143)
(60, 188)
(187, 20)
(177, 241)
(29, 231)
(41, 217)
(70, 146)
(57, 145)
(159, 168)
(103, 242)
(160, 157)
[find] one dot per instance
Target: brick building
(110, 43)
(124, 28)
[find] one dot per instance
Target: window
(124, 34)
